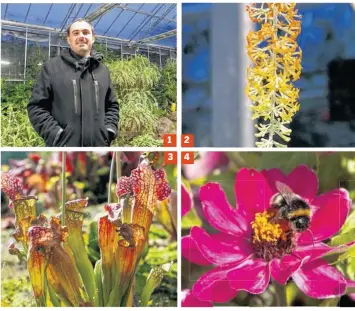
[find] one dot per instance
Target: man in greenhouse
(73, 103)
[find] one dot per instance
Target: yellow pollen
(264, 231)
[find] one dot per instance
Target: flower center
(264, 231)
(272, 237)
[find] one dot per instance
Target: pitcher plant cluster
(59, 268)
(276, 63)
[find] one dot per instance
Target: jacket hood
(69, 56)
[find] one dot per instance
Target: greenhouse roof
(146, 23)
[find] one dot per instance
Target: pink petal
(272, 176)
(251, 275)
(214, 286)
(281, 269)
(218, 253)
(192, 253)
(208, 162)
(319, 280)
(219, 213)
(318, 250)
(334, 207)
(252, 191)
(124, 186)
(304, 182)
(189, 300)
(162, 186)
(313, 251)
(186, 201)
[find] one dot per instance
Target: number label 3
(170, 157)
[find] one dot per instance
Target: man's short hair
(80, 20)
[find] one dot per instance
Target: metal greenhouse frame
(125, 29)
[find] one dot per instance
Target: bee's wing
(284, 190)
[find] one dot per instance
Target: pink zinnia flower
(249, 249)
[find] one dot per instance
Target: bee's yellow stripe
(300, 212)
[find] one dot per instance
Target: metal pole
(24, 71)
(11, 25)
(148, 53)
(159, 57)
(49, 46)
(232, 125)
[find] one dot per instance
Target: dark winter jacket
(73, 103)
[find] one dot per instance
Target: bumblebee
(291, 207)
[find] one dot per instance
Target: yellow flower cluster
(276, 63)
(263, 230)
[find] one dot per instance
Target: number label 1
(169, 140)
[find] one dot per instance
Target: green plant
(16, 129)
(165, 91)
(146, 140)
(37, 56)
(137, 114)
(133, 74)
(134, 80)
(15, 93)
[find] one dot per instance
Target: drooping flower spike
(276, 63)
(250, 249)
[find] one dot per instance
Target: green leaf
(291, 293)
(154, 279)
(287, 161)
(329, 172)
(226, 180)
(190, 219)
(244, 159)
(350, 269)
(349, 253)
(347, 232)
(332, 302)
(171, 174)
(98, 282)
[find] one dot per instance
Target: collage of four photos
(140, 160)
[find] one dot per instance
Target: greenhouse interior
(130, 36)
(124, 29)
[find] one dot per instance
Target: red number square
(187, 157)
(187, 140)
(169, 140)
(170, 157)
